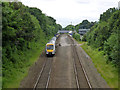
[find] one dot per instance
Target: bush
(23, 35)
(104, 35)
(111, 49)
(76, 36)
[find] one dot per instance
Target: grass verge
(107, 71)
(20, 73)
(81, 42)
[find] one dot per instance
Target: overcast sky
(75, 11)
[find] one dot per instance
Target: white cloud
(66, 11)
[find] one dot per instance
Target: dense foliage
(105, 35)
(47, 23)
(85, 24)
(24, 30)
(76, 36)
(69, 27)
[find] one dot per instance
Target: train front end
(50, 49)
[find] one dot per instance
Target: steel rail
(40, 74)
(87, 79)
(49, 76)
(76, 74)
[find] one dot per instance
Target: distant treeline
(104, 35)
(24, 31)
(85, 24)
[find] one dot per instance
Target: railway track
(81, 77)
(44, 75)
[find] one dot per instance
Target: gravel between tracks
(95, 78)
(62, 74)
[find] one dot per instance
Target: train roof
(51, 42)
(54, 38)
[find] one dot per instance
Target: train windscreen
(49, 47)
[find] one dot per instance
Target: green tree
(69, 27)
(104, 35)
(25, 30)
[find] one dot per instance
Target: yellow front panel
(49, 44)
(49, 50)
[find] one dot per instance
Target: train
(50, 47)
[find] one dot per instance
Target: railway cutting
(64, 69)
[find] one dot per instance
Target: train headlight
(53, 52)
(46, 52)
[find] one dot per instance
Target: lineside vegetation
(106, 70)
(105, 36)
(103, 45)
(25, 31)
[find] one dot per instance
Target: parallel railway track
(82, 80)
(48, 64)
(45, 71)
(44, 75)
